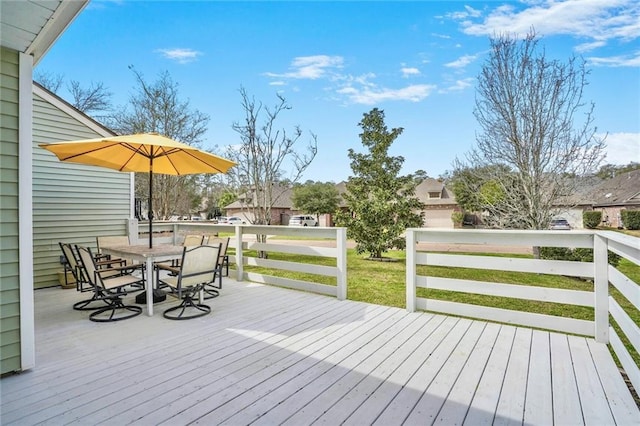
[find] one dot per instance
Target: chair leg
(210, 290)
(83, 305)
(115, 306)
(187, 304)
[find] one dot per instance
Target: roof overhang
(31, 26)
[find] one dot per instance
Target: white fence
(331, 243)
(599, 271)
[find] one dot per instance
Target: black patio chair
(73, 264)
(110, 286)
(197, 268)
(212, 289)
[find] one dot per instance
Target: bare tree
(157, 107)
(50, 81)
(266, 157)
(95, 98)
(533, 146)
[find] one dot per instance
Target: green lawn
(383, 283)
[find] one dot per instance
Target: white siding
(71, 202)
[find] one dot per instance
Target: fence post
(239, 261)
(410, 281)
(601, 288)
(341, 262)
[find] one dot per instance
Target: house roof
(65, 106)
(281, 199)
(622, 190)
(32, 26)
(431, 185)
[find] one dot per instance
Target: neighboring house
(615, 194)
(72, 203)
(281, 209)
(439, 202)
(27, 30)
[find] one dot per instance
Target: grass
(383, 283)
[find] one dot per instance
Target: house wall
(72, 203)
(573, 216)
(9, 222)
(611, 216)
(438, 217)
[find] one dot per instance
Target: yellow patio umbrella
(144, 152)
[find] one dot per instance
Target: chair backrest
(72, 260)
(224, 243)
(198, 265)
(88, 262)
(192, 240)
(112, 241)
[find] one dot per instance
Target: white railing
(331, 244)
(338, 251)
(599, 271)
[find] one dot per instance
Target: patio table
(142, 253)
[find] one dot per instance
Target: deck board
(267, 355)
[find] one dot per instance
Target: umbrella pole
(151, 203)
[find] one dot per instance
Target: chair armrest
(166, 267)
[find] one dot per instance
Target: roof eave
(61, 18)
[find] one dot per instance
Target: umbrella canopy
(145, 152)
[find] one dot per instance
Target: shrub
(576, 255)
(457, 218)
(631, 219)
(591, 219)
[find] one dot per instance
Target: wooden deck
(273, 356)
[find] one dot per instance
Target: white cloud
(277, 83)
(459, 85)
(310, 67)
(374, 95)
(409, 71)
(462, 61)
(596, 20)
(468, 12)
(586, 47)
(616, 61)
(181, 56)
(622, 148)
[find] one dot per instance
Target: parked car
(232, 220)
(303, 220)
(560, 224)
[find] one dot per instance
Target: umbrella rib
(87, 152)
(203, 162)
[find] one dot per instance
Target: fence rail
(256, 238)
(602, 274)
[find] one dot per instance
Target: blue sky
(334, 61)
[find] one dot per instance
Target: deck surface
(267, 356)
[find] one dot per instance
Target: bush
(591, 219)
(631, 219)
(576, 255)
(457, 218)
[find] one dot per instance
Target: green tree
(316, 198)
(612, 170)
(381, 203)
(226, 198)
(537, 131)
